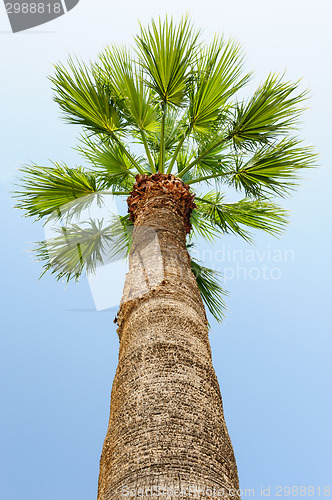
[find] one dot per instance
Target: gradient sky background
(272, 355)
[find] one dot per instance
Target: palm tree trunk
(167, 434)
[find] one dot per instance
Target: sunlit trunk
(167, 434)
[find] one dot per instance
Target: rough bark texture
(166, 433)
(150, 185)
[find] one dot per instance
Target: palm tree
(164, 125)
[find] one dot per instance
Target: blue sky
(272, 355)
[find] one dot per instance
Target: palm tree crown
(169, 106)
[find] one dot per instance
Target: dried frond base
(167, 184)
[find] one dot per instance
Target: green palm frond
(217, 78)
(272, 168)
(112, 163)
(58, 189)
(76, 247)
(84, 99)
(202, 226)
(273, 110)
(211, 291)
(230, 217)
(84, 246)
(124, 77)
(166, 52)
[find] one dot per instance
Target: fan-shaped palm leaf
(273, 110)
(84, 100)
(271, 169)
(45, 190)
(230, 217)
(166, 52)
(114, 167)
(217, 78)
(124, 77)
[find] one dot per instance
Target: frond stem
(207, 177)
(162, 140)
(148, 154)
(185, 135)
